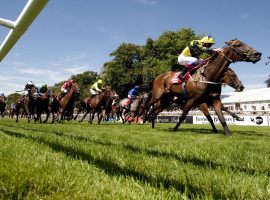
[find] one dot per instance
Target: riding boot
(182, 74)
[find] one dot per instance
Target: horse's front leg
(28, 114)
(80, 110)
(100, 116)
(186, 109)
(92, 115)
(204, 109)
(47, 116)
(217, 105)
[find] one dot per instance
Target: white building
(256, 100)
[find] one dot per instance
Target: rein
(201, 81)
(211, 82)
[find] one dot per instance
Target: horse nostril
(258, 54)
(242, 88)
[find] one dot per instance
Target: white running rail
(18, 27)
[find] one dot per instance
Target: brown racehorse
(96, 103)
(229, 78)
(198, 90)
(65, 104)
(27, 103)
(42, 105)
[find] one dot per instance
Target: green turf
(114, 161)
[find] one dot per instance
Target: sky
(73, 36)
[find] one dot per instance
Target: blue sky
(73, 36)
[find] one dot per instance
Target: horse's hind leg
(231, 113)
(186, 109)
(217, 107)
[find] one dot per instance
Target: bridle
(243, 55)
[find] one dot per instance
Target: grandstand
(253, 101)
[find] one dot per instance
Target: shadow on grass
(192, 160)
(209, 131)
(187, 159)
(113, 169)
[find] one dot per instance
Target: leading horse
(197, 89)
(229, 78)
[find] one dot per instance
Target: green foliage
(12, 98)
(114, 161)
(139, 64)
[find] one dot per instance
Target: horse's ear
(231, 41)
(228, 42)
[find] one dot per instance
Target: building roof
(262, 94)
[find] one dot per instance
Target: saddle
(177, 80)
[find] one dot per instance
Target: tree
(124, 71)
(12, 98)
(139, 64)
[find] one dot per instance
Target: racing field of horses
(121, 161)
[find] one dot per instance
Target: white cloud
(16, 74)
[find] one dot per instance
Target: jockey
(189, 58)
(65, 88)
(28, 86)
(3, 97)
(133, 94)
(42, 89)
(95, 89)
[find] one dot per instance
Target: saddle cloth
(176, 80)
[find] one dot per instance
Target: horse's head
(230, 78)
(242, 52)
(75, 89)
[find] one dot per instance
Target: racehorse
(100, 103)
(133, 111)
(97, 102)
(2, 106)
(65, 104)
(198, 88)
(27, 103)
(42, 105)
(229, 78)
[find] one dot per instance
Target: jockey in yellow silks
(189, 57)
(96, 87)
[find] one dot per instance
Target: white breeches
(189, 61)
(93, 92)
